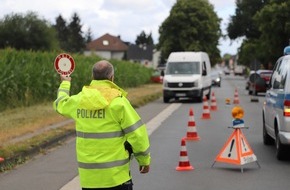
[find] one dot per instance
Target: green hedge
(28, 77)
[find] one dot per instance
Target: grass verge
(22, 121)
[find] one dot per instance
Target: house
(108, 47)
(142, 54)
(112, 47)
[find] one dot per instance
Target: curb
(24, 156)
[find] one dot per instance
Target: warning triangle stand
(237, 151)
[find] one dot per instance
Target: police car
(276, 109)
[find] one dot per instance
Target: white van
(187, 74)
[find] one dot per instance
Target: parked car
(248, 80)
(215, 78)
(276, 109)
(227, 71)
(258, 81)
(157, 76)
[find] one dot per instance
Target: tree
(274, 24)
(266, 27)
(27, 32)
(62, 32)
(144, 39)
(191, 26)
(89, 36)
(242, 23)
(76, 40)
(226, 58)
(249, 53)
(70, 35)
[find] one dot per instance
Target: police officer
(105, 122)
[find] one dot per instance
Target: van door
(206, 79)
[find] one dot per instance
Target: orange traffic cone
(236, 97)
(191, 129)
(205, 111)
(184, 164)
(1, 159)
(213, 105)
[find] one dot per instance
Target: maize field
(28, 77)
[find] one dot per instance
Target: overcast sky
(126, 18)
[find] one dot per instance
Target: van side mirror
(204, 73)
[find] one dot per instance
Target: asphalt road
(165, 141)
(57, 167)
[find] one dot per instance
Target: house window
(105, 42)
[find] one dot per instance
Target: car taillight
(287, 108)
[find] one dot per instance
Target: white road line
(74, 184)
(152, 125)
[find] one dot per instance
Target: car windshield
(183, 68)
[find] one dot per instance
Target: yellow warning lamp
(228, 101)
(238, 112)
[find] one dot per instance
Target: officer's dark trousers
(125, 186)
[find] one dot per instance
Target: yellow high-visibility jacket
(104, 120)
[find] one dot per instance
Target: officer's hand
(144, 169)
(65, 78)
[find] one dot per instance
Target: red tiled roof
(107, 42)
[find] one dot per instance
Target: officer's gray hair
(103, 70)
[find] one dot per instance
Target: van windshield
(176, 68)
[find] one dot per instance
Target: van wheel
(165, 99)
(208, 95)
(280, 149)
(267, 139)
(200, 98)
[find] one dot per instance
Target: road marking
(74, 184)
(152, 125)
